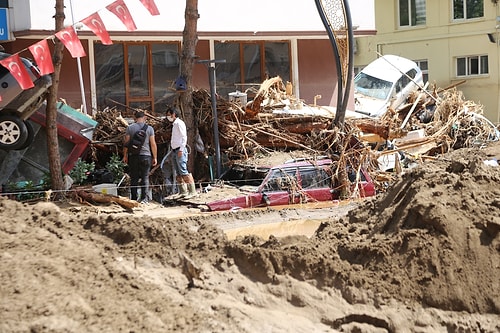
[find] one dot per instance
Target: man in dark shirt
(140, 164)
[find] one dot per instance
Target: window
(135, 75)
(250, 63)
(405, 80)
(314, 178)
(467, 9)
(281, 180)
(424, 67)
(472, 65)
(411, 13)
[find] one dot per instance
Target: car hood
(370, 106)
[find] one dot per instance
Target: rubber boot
(191, 187)
(181, 185)
(183, 191)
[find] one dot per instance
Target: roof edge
(33, 33)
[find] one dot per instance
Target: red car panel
(294, 183)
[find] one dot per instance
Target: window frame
(243, 83)
(469, 66)
(425, 72)
(464, 13)
(410, 15)
(129, 99)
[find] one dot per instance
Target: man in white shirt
(178, 142)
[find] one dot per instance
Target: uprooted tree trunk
(57, 183)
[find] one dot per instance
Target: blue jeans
(180, 163)
(139, 167)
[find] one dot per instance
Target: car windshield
(371, 86)
(281, 180)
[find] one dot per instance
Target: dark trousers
(139, 167)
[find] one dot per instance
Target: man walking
(140, 162)
(178, 142)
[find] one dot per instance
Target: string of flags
(69, 38)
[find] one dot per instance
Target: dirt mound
(423, 257)
(435, 235)
(432, 239)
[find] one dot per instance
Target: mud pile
(432, 239)
(423, 257)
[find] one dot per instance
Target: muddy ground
(423, 257)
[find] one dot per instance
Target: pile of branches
(110, 131)
(446, 119)
(244, 131)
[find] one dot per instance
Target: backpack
(137, 140)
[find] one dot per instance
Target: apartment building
(451, 40)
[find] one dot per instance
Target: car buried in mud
(296, 182)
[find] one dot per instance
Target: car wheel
(13, 132)
(30, 138)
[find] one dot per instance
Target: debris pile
(432, 122)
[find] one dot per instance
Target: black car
(17, 105)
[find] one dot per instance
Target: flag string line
(69, 37)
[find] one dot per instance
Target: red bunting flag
(151, 6)
(121, 11)
(70, 39)
(18, 71)
(43, 58)
(94, 23)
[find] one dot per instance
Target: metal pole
(211, 78)
(79, 63)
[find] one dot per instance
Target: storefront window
(250, 63)
(109, 74)
(150, 72)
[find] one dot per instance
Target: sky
(215, 15)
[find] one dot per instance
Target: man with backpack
(140, 153)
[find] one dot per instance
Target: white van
(385, 82)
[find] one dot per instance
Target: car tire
(30, 138)
(13, 132)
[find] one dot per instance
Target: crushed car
(295, 182)
(385, 82)
(18, 105)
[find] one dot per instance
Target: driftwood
(101, 198)
(372, 126)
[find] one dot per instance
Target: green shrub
(116, 166)
(81, 171)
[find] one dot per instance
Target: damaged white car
(385, 82)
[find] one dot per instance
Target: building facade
(453, 41)
(139, 70)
